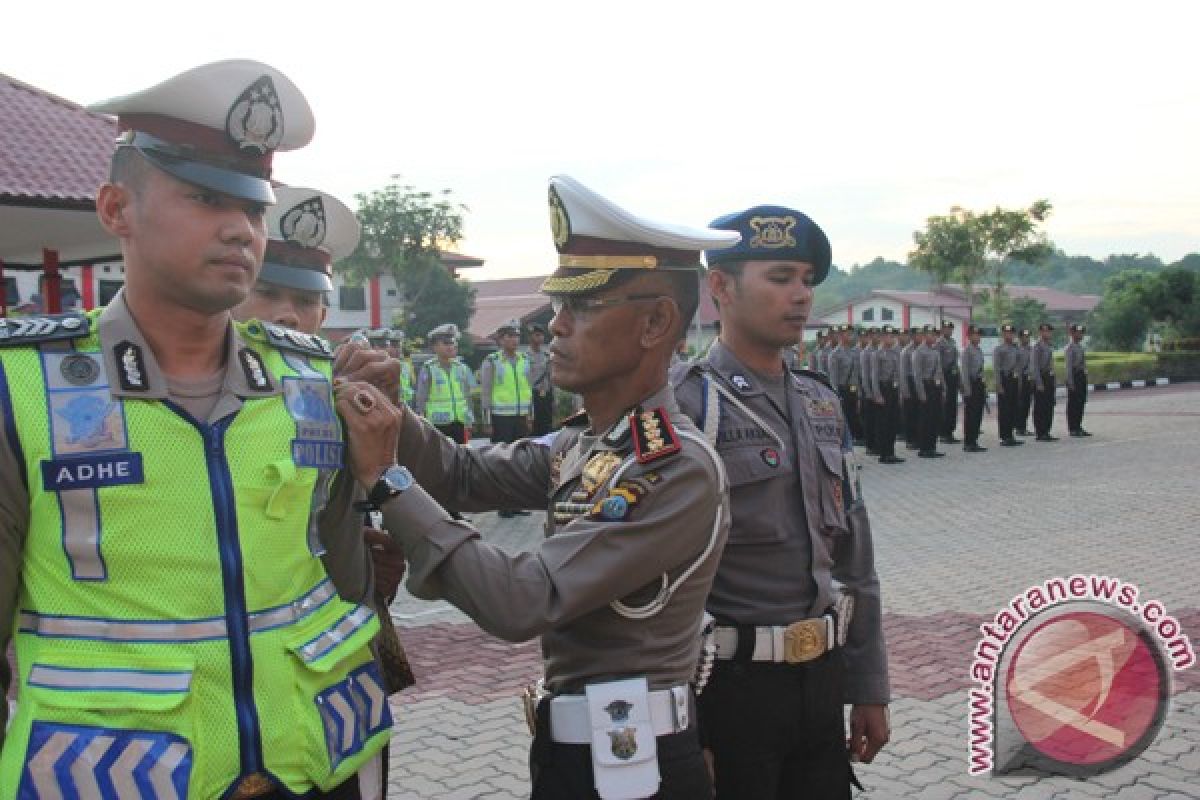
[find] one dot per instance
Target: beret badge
(773, 232)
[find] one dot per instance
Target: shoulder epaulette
(820, 377)
(653, 436)
(18, 331)
(577, 420)
(297, 342)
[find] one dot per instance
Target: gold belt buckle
(804, 640)
(252, 786)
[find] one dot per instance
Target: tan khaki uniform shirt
(665, 515)
(339, 527)
(799, 521)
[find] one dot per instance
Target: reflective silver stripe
(109, 679)
(116, 630)
(173, 631)
(285, 615)
(81, 533)
(331, 638)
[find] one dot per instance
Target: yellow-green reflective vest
(511, 393)
(449, 394)
(175, 629)
(407, 382)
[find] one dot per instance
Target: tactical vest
(447, 401)
(176, 631)
(511, 393)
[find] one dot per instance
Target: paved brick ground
(956, 538)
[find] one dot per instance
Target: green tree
(1027, 313)
(1122, 319)
(404, 233)
(976, 247)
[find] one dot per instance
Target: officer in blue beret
(791, 646)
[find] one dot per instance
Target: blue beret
(774, 233)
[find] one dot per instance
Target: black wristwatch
(394, 481)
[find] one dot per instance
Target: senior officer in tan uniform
(636, 502)
(157, 579)
(791, 647)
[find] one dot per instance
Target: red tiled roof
(52, 151)
(1055, 300)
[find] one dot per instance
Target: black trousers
(950, 403)
(508, 428)
(564, 771)
(888, 420)
(912, 414)
(973, 411)
(455, 430)
(777, 731)
(931, 412)
(1076, 400)
(543, 412)
(869, 422)
(1024, 403)
(849, 396)
(1043, 405)
(1007, 406)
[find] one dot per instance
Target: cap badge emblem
(305, 223)
(773, 232)
(560, 223)
(255, 121)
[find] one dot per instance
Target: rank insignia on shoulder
(16, 331)
(653, 436)
(820, 377)
(131, 367)
(256, 371)
(297, 342)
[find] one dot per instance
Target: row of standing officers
(905, 383)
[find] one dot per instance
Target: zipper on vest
(232, 578)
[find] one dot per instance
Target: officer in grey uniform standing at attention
(912, 407)
(927, 373)
(866, 362)
(887, 397)
(1004, 365)
(948, 352)
(1041, 371)
(637, 512)
(844, 377)
(825, 352)
(1077, 385)
(791, 647)
(1024, 385)
(974, 391)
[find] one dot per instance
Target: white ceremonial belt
(797, 643)
(570, 720)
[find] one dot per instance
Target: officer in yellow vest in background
(398, 349)
(507, 392)
(167, 480)
(444, 386)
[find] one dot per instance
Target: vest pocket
(126, 726)
(342, 697)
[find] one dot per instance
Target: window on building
(352, 298)
(391, 292)
(869, 315)
(11, 296)
(108, 290)
(887, 315)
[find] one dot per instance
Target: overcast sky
(870, 117)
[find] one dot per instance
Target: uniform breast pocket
(833, 490)
(761, 488)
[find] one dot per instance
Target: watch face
(398, 478)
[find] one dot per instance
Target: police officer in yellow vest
(167, 481)
(391, 342)
(444, 386)
(507, 392)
